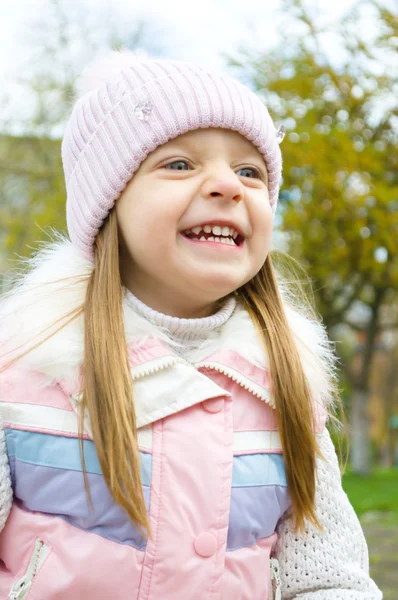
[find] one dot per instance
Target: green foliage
(375, 492)
(32, 186)
(339, 194)
(32, 191)
(338, 204)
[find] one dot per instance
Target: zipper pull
(274, 565)
(21, 588)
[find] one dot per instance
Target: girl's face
(214, 180)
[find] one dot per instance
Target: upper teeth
(216, 230)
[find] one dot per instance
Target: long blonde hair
(108, 389)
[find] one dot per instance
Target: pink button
(213, 406)
(205, 544)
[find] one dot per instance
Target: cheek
(149, 217)
(263, 220)
(131, 225)
(263, 217)
(146, 231)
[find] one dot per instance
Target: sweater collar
(179, 328)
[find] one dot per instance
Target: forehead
(213, 140)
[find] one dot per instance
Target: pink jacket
(212, 470)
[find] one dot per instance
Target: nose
(225, 185)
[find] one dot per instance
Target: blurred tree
(388, 376)
(339, 195)
(32, 188)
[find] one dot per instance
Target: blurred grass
(377, 492)
(375, 500)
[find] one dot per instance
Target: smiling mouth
(220, 235)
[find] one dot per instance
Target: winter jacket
(212, 467)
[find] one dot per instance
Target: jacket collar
(38, 300)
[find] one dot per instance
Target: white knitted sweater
(5, 481)
(314, 566)
(333, 565)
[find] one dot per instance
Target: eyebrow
(191, 147)
(169, 147)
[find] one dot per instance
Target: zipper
(21, 588)
(166, 362)
(274, 567)
(160, 364)
(240, 379)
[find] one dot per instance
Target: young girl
(163, 394)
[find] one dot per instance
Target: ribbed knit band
(141, 106)
(183, 329)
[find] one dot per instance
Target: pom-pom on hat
(129, 104)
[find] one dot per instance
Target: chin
(217, 288)
(216, 282)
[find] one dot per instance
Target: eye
(255, 173)
(177, 165)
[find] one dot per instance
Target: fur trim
(37, 300)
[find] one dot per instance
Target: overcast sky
(200, 31)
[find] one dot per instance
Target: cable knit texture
(333, 565)
(5, 480)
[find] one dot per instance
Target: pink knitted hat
(127, 106)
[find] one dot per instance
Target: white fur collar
(37, 300)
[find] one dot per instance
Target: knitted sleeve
(5, 480)
(333, 565)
